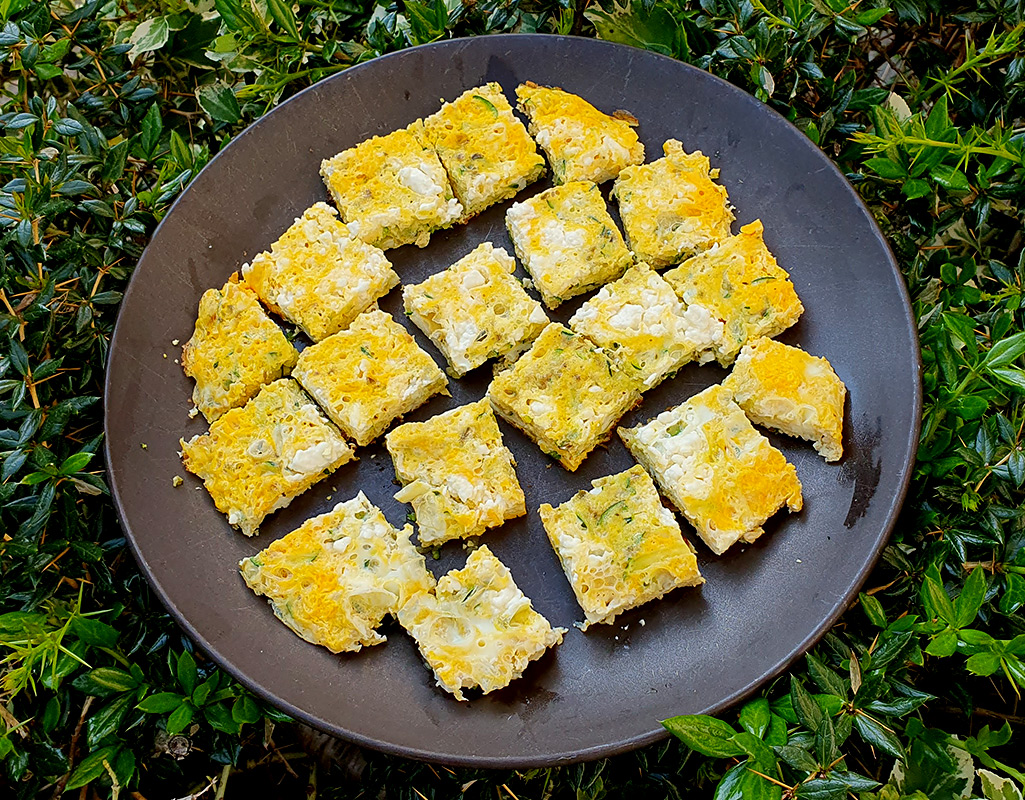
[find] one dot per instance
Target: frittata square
(368, 375)
(456, 472)
(318, 276)
(488, 154)
(582, 143)
(392, 190)
(564, 393)
(236, 349)
(739, 284)
(336, 577)
(475, 310)
(567, 241)
(722, 474)
(258, 458)
(672, 208)
(642, 326)
(478, 630)
(786, 389)
(619, 546)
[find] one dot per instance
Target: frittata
(334, 579)
(672, 208)
(236, 349)
(368, 375)
(478, 630)
(392, 190)
(318, 276)
(475, 310)
(740, 284)
(788, 390)
(567, 241)
(582, 143)
(722, 474)
(256, 459)
(642, 326)
(564, 393)
(488, 154)
(456, 472)
(618, 545)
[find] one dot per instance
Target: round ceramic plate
(599, 693)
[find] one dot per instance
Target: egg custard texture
(739, 284)
(236, 349)
(456, 472)
(619, 546)
(711, 463)
(478, 630)
(672, 208)
(564, 393)
(334, 579)
(475, 310)
(488, 154)
(567, 241)
(318, 276)
(258, 458)
(582, 143)
(368, 375)
(392, 190)
(786, 389)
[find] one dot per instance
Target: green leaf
(1012, 376)
(878, 736)
(75, 463)
(776, 735)
(887, 168)
(798, 758)
(220, 718)
(950, 178)
(219, 101)
(639, 24)
(935, 598)
(807, 710)
(1013, 597)
(761, 754)
(90, 768)
(106, 721)
(150, 35)
(938, 122)
(740, 783)
(943, 645)
(104, 681)
(873, 610)
(995, 787)
(161, 703)
(1007, 350)
(983, 663)
(152, 127)
(968, 603)
(186, 671)
(707, 735)
(281, 12)
(180, 718)
(827, 680)
(93, 632)
(245, 710)
(755, 716)
(914, 188)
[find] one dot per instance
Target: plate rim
(597, 751)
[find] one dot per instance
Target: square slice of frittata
(368, 375)
(581, 142)
(456, 472)
(318, 276)
(643, 327)
(711, 463)
(258, 458)
(488, 154)
(672, 208)
(786, 389)
(392, 190)
(740, 285)
(235, 350)
(619, 546)
(475, 310)
(567, 241)
(565, 394)
(336, 577)
(478, 630)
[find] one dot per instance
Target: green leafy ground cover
(109, 107)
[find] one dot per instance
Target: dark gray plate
(605, 691)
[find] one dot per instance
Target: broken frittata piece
(740, 284)
(488, 154)
(235, 351)
(619, 546)
(318, 276)
(368, 375)
(564, 393)
(786, 389)
(643, 327)
(722, 475)
(475, 310)
(456, 472)
(478, 630)
(258, 458)
(392, 190)
(567, 241)
(672, 208)
(582, 143)
(334, 579)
